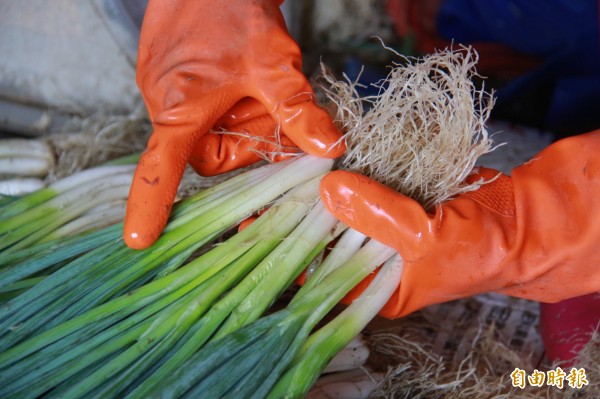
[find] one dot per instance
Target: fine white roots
(423, 132)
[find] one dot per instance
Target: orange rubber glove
(201, 63)
(535, 235)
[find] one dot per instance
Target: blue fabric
(562, 34)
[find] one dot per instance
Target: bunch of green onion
(110, 318)
(52, 217)
(117, 322)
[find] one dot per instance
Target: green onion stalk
(77, 337)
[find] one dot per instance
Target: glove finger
(309, 126)
(377, 211)
(154, 186)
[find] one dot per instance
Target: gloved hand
(201, 63)
(535, 235)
